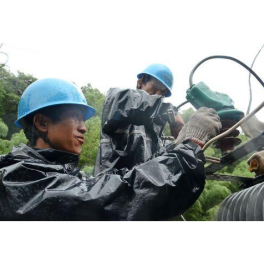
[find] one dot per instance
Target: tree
(92, 140)
(206, 207)
(11, 89)
(2, 99)
(16, 139)
(3, 129)
(90, 147)
(186, 114)
(94, 98)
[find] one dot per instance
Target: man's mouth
(80, 139)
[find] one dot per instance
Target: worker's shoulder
(18, 154)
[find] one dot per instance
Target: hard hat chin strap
(46, 139)
(34, 134)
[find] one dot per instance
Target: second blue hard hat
(162, 73)
(48, 92)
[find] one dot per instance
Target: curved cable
(249, 81)
(233, 127)
(227, 58)
(179, 106)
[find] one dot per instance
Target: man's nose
(82, 127)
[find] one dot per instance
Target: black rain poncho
(131, 124)
(45, 184)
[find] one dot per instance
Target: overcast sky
(116, 64)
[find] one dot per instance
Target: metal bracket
(223, 177)
(255, 144)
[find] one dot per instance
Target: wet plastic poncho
(131, 124)
(46, 185)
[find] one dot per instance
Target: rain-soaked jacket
(131, 124)
(45, 184)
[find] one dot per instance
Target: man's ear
(41, 122)
(139, 83)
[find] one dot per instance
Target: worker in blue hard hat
(156, 79)
(41, 180)
(43, 107)
(133, 120)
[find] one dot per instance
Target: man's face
(154, 87)
(68, 133)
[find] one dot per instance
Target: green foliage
(211, 214)
(2, 99)
(206, 207)
(90, 147)
(3, 129)
(92, 139)
(186, 114)
(11, 89)
(16, 139)
(88, 169)
(4, 146)
(15, 84)
(238, 168)
(94, 98)
(166, 130)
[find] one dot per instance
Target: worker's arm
(176, 126)
(156, 190)
(128, 106)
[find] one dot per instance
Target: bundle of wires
(249, 81)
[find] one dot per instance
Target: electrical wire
(234, 127)
(213, 161)
(182, 218)
(243, 119)
(212, 158)
(180, 105)
(249, 81)
(227, 58)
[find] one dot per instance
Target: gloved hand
(203, 125)
(256, 163)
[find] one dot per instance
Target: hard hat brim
(88, 111)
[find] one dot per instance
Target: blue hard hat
(49, 92)
(161, 73)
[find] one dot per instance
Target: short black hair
(147, 78)
(159, 85)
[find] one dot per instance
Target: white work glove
(203, 125)
(256, 163)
